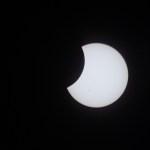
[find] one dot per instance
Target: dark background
(45, 57)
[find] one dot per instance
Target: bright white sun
(104, 77)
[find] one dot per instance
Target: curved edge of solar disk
(71, 86)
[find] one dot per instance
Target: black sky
(46, 57)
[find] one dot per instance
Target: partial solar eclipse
(104, 77)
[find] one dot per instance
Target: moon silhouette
(103, 79)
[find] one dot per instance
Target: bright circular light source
(104, 77)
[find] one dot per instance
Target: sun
(103, 79)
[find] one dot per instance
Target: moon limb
(103, 79)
